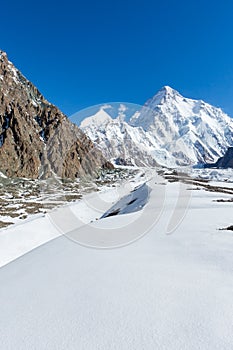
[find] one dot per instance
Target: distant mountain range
(169, 130)
(36, 138)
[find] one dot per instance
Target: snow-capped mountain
(169, 129)
(118, 140)
(192, 131)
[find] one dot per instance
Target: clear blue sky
(82, 53)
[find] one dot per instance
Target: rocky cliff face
(36, 138)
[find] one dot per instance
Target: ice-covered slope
(192, 131)
(118, 140)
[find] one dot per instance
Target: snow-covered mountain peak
(191, 130)
(168, 91)
(98, 120)
(163, 95)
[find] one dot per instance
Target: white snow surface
(170, 128)
(160, 292)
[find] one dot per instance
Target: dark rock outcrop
(36, 138)
(224, 162)
(123, 162)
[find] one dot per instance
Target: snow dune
(131, 203)
(160, 292)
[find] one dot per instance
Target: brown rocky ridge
(36, 138)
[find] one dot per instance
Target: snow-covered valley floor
(172, 289)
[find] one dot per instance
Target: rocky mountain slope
(36, 138)
(169, 129)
